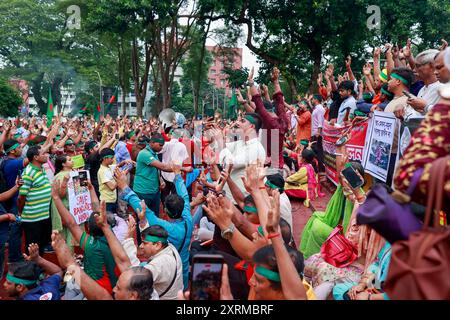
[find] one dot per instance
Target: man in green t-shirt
(147, 181)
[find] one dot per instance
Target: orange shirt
(303, 126)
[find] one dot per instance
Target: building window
(213, 72)
(133, 104)
(222, 83)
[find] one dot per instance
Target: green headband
(261, 231)
(17, 135)
(250, 209)
(399, 77)
(108, 157)
(154, 239)
(13, 147)
(160, 141)
(268, 274)
(250, 119)
(131, 134)
(15, 280)
(387, 93)
(271, 185)
(304, 142)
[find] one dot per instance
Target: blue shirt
(122, 153)
(48, 289)
(176, 228)
(4, 230)
(11, 168)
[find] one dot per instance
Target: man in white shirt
(245, 151)
(348, 105)
(163, 260)
(318, 117)
(428, 95)
(175, 152)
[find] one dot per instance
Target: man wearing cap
(69, 148)
(428, 95)
(12, 167)
(22, 278)
(146, 181)
(348, 105)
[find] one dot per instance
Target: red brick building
(223, 57)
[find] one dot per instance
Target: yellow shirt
(105, 175)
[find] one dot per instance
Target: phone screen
(206, 277)
(352, 178)
(83, 178)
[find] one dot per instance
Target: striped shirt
(37, 190)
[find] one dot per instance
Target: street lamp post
(101, 100)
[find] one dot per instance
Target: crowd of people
(162, 192)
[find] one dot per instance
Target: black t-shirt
(335, 105)
(93, 165)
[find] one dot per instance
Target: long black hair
(59, 163)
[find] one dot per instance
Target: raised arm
(49, 267)
(291, 283)
(348, 66)
(119, 254)
(90, 288)
(66, 217)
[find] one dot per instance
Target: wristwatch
(228, 232)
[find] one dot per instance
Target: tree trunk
(124, 94)
(316, 54)
(36, 88)
(56, 94)
(293, 87)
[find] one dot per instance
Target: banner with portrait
(80, 204)
(380, 138)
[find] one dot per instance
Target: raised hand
(407, 49)
(63, 253)
(367, 69)
(444, 45)
(141, 213)
(33, 250)
(131, 227)
(275, 74)
(348, 61)
(220, 215)
(273, 216)
(251, 74)
(101, 218)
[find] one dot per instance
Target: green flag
(232, 107)
(112, 100)
(97, 113)
(50, 111)
(85, 109)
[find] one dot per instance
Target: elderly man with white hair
(428, 96)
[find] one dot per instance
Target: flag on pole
(50, 111)
(112, 100)
(97, 113)
(232, 107)
(84, 109)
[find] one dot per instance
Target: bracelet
(262, 188)
(273, 235)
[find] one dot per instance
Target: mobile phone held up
(83, 178)
(206, 276)
(352, 177)
(343, 140)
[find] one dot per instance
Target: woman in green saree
(63, 167)
(338, 211)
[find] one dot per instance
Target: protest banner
(79, 198)
(78, 161)
(355, 145)
(379, 140)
